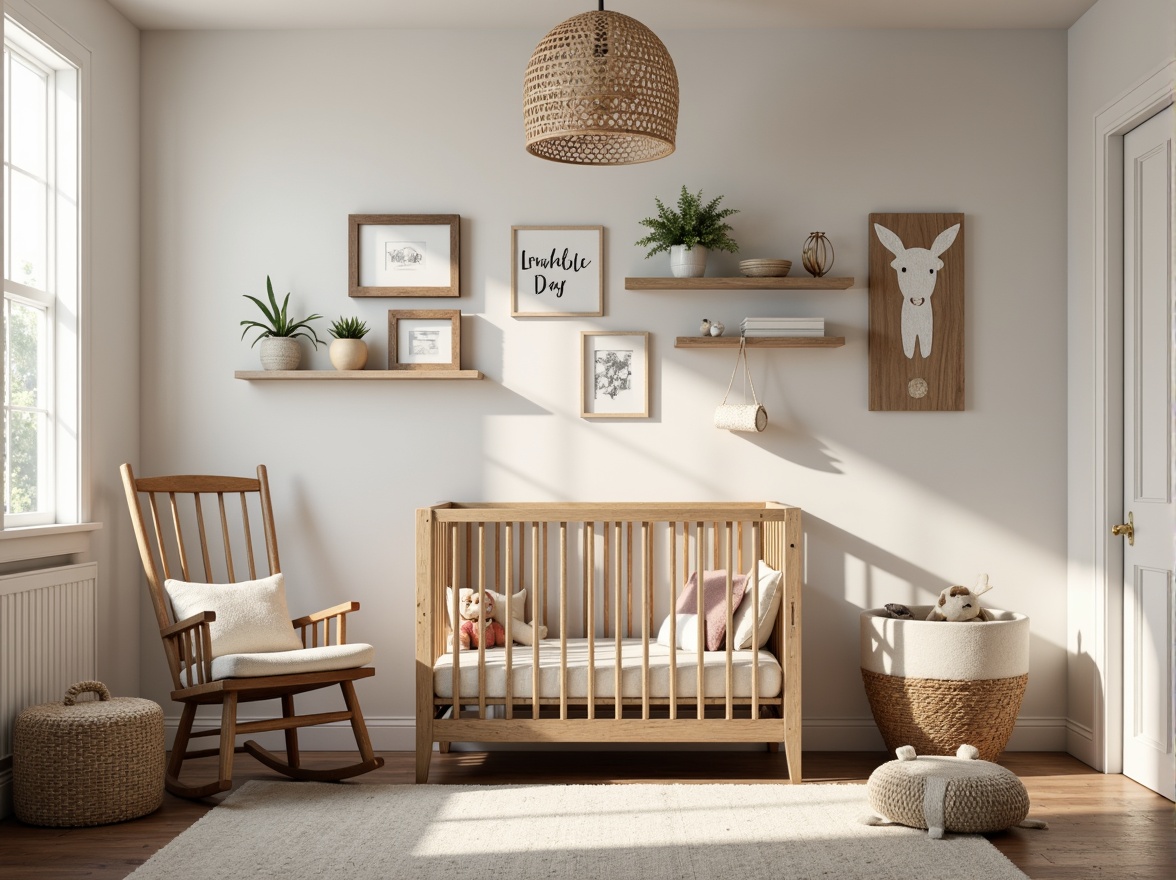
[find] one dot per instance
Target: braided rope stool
(961, 794)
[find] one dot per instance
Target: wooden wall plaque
(916, 312)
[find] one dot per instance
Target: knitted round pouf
(962, 794)
(87, 763)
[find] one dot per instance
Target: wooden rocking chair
(199, 677)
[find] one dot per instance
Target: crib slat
(757, 540)
(453, 632)
(604, 574)
(590, 612)
(619, 707)
(700, 551)
(730, 621)
(673, 621)
(510, 592)
(629, 580)
(563, 621)
(482, 622)
(535, 620)
(646, 588)
(544, 572)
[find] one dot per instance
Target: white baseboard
(398, 734)
(1080, 743)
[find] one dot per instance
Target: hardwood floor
(1100, 826)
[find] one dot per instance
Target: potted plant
(348, 351)
(279, 334)
(689, 233)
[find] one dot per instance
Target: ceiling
(542, 15)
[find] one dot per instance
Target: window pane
(26, 355)
(29, 260)
(29, 90)
(26, 433)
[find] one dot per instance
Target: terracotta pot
(348, 354)
(280, 353)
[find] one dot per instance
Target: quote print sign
(916, 312)
(557, 271)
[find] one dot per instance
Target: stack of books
(783, 327)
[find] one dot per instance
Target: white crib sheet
(714, 671)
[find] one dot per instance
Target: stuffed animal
(961, 604)
(477, 617)
(520, 631)
(898, 612)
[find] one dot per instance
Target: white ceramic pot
(280, 353)
(687, 262)
(348, 354)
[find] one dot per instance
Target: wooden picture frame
(614, 374)
(403, 255)
(916, 338)
(557, 271)
(424, 339)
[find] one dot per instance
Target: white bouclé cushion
(770, 596)
(251, 616)
(322, 659)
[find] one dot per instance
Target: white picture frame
(557, 271)
(614, 374)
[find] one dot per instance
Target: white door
(1149, 547)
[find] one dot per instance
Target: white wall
(256, 146)
(1111, 49)
(112, 367)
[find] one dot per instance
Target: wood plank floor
(1100, 826)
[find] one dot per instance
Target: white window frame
(35, 36)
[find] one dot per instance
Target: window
(41, 281)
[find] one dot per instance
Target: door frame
(1140, 103)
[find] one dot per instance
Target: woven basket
(88, 763)
(938, 685)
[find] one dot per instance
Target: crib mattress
(714, 672)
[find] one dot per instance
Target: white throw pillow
(687, 635)
(251, 616)
(770, 596)
(518, 604)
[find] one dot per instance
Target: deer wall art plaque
(916, 312)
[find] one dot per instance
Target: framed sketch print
(916, 339)
(614, 374)
(424, 339)
(403, 254)
(557, 271)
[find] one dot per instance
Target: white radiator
(47, 636)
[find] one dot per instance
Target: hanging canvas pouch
(741, 416)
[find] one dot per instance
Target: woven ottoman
(88, 762)
(960, 794)
(936, 684)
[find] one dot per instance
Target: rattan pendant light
(600, 89)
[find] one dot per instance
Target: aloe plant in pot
(348, 351)
(279, 333)
(689, 233)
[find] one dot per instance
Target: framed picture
(557, 271)
(614, 374)
(424, 339)
(403, 254)
(916, 340)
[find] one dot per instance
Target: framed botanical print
(614, 374)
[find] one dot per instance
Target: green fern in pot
(689, 232)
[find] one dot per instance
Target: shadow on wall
(788, 438)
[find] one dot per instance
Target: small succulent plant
(349, 328)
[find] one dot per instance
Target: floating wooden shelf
(760, 342)
(368, 375)
(738, 283)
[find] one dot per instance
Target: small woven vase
(817, 255)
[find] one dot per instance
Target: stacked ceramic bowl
(765, 268)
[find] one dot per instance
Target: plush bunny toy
(961, 604)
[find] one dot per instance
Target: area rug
(302, 830)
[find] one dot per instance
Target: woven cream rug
(309, 831)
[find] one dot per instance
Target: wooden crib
(602, 577)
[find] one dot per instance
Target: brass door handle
(1127, 528)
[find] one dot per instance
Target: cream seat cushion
(251, 616)
(322, 659)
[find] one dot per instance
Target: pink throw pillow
(714, 602)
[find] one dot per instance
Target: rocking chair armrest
(193, 622)
(325, 614)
